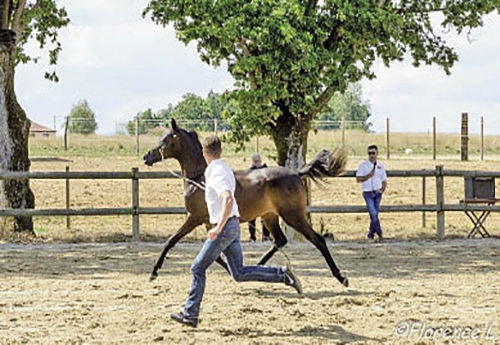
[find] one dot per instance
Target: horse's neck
(192, 165)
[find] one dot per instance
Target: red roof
(37, 128)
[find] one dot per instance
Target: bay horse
(268, 193)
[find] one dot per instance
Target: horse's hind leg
(272, 223)
(188, 226)
(299, 223)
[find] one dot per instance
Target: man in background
(257, 164)
(373, 178)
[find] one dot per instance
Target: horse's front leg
(189, 225)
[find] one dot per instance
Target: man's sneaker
(292, 280)
(181, 318)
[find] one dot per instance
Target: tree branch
(325, 96)
(322, 100)
(38, 4)
(430, 10)
(246, 53)
(4, 14)
(17, 24)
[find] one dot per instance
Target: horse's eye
(174, 136)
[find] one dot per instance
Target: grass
(421, 144)
(96, 153)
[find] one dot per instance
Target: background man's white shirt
(374, 183)
(218, 179)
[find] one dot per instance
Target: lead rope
(164, 161)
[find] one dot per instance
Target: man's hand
(366, 177)
(213, 233)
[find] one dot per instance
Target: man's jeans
(372, 200)
(227, 242)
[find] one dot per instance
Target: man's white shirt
(218, 179)
(375, 182)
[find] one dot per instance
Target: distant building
(157, 130)
(39, 131)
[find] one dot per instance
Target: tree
(82, 119)
(351, 105)
(289, 57)
(21, 21)
(147, 120)
(196, 111)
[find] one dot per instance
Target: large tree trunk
(14, 135)
(290, 138)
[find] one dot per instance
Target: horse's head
(170, 146)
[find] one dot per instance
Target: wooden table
(478, 219)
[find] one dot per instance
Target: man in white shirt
(373, 180)
(224, 237)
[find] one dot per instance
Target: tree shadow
(328, 333)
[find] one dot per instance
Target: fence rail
(135, 210)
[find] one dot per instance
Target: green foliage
(289, 57)
(40, 21)
(82, 119)
(192, 112)
(351, 104)
(145, 120)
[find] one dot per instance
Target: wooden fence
(135, 210)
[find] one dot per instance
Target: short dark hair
(373, 147)
(212, 145)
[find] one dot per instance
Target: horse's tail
(325, 164)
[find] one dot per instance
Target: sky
(122, 63)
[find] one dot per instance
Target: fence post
(423, 200)
(434, 138)
(482, 138)
(465, 137)
(68, 221)
(343, 130)
(66, 125)
(388, 129)
(257, 144)
(216, 126)
(135, 204)
(440, 201)
(137, 135)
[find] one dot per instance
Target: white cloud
(412, 96)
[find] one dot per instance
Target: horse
(268, 193)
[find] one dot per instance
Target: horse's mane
(194, 141)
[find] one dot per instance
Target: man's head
(372, 153)
(212, 148)
(256, 160)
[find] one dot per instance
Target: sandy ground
(99, 293)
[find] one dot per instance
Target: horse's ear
(173, 125)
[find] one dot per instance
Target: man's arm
(227, 209)
(384, 186)
(366, 177)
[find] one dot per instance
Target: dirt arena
(400, 291)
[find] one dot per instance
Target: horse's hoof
(153, 277)
(345, 282)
